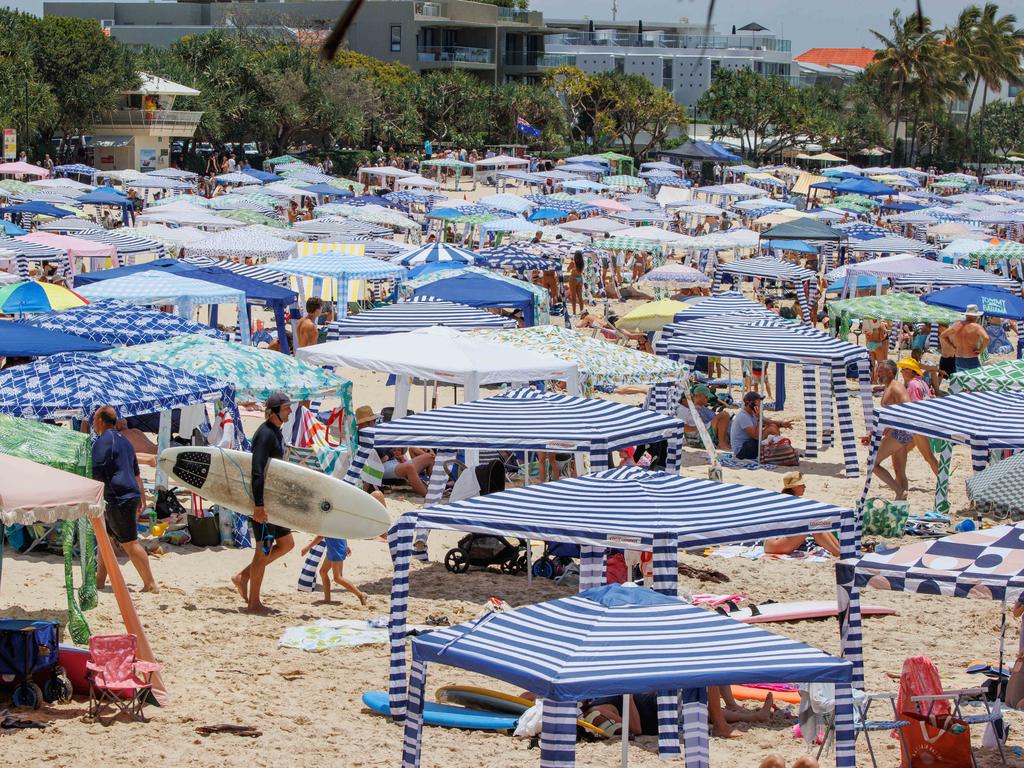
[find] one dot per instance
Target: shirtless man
(895, 442)
(969, 339)
(309, 331)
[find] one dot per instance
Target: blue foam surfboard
(446, 715)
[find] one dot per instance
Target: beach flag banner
(526, 129)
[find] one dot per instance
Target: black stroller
(481, 550)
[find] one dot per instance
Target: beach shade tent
(942, 275)
(677, 275)
(862, 283)
(436, 252)
(127, 244)
(226, 203)
(175, 237)
(771, 268)
(726, 303)
(598, 226)
(998, 491)
(862, 186)
(700, 150)
(888, 244)
(516, 258)
(75, 247)
(443, 355)
(176, 173)
(24, 252)
(35, 208)
(511, 203)
(76, 169)
(584, 647)
(254, 373)
(601, 366)
(159, 287)
(262, 176)
(797, 246)
(335, 271)
(237, 177)
(898, 308)
(771, 339)
(324, 228)
(116, 323)
(57, 447)
(184, 213)
(983, 565)
(628, 506)
(243, 244)
(26, 297)
(982, 420)
(147, 181)
(652, 316)
(992, 301)
(457, 168)
(111, 197)
(17, 340)
(21, 169)
(483, 289)
(413, 314)
(11, 229)
(991, 252)
(326, 190)
(999, 377)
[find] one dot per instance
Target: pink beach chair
(117, 680)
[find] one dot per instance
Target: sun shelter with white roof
(184, 213)
(444, 355)
(597, 225)
(384, 174)
(409, 315)
(76, 248)
(154, 287)
(757, 338)
(771, 268)
(243, 244)
(22, 252)
(624, 507)
(621, 640)
(724, 303)
(946, 275)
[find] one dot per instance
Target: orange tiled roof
(856, 57)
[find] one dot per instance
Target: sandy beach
(223, 666)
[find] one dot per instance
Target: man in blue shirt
(115, 465)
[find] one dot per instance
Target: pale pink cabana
(22, 169)
(75, 247)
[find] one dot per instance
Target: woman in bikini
(576, 282)
(876, 335)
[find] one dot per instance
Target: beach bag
(780, 452)
(615, 569)
(885, 518)
(934, 738)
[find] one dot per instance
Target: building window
(620, 64)
(396, 38)
(1013, 91)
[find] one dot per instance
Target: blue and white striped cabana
(982, 420)
(616, 640)
(944, 275)
(624, 507)
(771, 268)
(757, 338)
(419, 312)
(516, 258)
(25, 251)
(334, 263)
(128, 246)
(436, 252)
(724, 303)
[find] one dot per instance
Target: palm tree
(904, 59)
(960, 40)
(998, 45)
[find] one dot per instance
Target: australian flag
(524, 127)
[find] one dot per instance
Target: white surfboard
(800, 610)
(294, 496)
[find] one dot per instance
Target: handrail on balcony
(166, 119)
(656, 39)
(456, 53)
(433, 10)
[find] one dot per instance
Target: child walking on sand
(334, 565)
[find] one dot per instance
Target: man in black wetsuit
(271, 541)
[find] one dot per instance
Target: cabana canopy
(615, 640)
(255, 373)
(482, 291)
(56, 447)
(160, 287)
(898, 307)
(942, 275)
(441, 354)
(725, 303)
(998, 377)
(434, 253)
(74, 385)
(337, 261)
(889, 244)
(410, 315)
(115, 323)
(242, 244)
(17, 340)
(803, 229)
(31, 493)
(601, 366)
(994, 302)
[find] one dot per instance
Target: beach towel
(326, 634)
(730, 461)
(999, 342)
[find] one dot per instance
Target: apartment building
(679, 56)
(497, 44)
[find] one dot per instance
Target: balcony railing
(430, 10)
(166, 121)
(514, 15)
(657, 40)
(537, 59)
(426, 53)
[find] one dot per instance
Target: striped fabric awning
(889, 244)
(613, 640)
(724, 303)
(263, 274)
(413, 314)
(950, 274)
(514, 257)
(769, 267)
(526, 419)
(437, 252)
(126, 244)
(989, 418)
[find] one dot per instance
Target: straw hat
(365, 415)
(911, 364)
(973, 311)
(793, 480)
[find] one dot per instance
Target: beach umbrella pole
(625, 730)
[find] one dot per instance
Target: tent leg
(125, 605)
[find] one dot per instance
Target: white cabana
(445, 355)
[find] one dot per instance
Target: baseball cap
(752, 397)
(277, 399)
(702, 389)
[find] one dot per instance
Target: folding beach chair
(118, 680)
(866, 725)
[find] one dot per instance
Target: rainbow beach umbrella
(32, 296)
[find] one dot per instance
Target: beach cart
(29, 650)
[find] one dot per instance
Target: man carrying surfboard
(272, 541)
